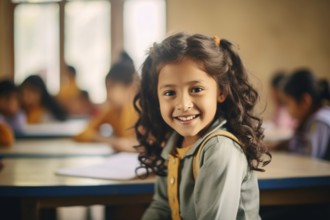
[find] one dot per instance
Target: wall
(271, 35)
(6, 39)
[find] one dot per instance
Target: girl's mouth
(186, 118)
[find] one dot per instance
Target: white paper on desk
(120, 166)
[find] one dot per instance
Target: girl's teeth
(187, 118)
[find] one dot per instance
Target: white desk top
(54, 148)
(67, 128)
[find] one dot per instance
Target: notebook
(120, 166)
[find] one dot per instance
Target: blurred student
(122, 83)
(39, 105)
(281, 117)
(71, 96)
(307, 99)
(6, 135)
(10, 111)
(82, 106)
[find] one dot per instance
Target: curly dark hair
(222, 63)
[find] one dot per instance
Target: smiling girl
(193, 86)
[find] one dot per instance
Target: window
(42, 44)
(87, 44)
(36, 41)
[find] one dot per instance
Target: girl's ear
(222, 97)
(307, 100)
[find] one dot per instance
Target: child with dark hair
(12, 119)
(40, 106)
(281, 117)
(70, 95)
(122, 83)
(194, 86)
(307, 99)
(10, 110)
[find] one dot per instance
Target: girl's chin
(186, 134)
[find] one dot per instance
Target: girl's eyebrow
(187, 83)
(195, 82)
(167, 86)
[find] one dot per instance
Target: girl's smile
(186, 118)
(188, 98)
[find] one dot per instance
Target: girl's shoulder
(223, 144)
(223, 152)
(322, 116)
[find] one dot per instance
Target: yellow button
(172, 180)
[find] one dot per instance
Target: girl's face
(9, 105)
(118, 94)
(298, 109)
(188, 98)
(31, 97)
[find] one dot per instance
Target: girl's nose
(184, 104)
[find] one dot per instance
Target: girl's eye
(169, 93)
(197, 90)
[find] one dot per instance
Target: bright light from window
(37, 43)
(87, 44)
(144, 23)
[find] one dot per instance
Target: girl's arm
(6, 135)
(218, 189)
(91, 131)
(159, 208)
(319, 137)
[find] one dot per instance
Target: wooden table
(291, 179)
(287, 180)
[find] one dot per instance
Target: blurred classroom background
(42, 35)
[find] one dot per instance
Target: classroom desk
(63, 147)
(288, 180)
(68, 128)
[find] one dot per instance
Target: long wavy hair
(221, 62)
(48, 101)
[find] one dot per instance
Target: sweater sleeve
(318, 137)
(159, 208)
(219, 182)
(6, 135)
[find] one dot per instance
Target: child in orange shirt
(6, 135)
(121, 83)
(39, 105)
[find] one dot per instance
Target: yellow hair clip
(217, 40)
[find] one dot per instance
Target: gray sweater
(224, 189)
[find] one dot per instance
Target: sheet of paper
(120, 166)
(67, 128)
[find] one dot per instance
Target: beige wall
(6, 40)
(271, 34)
